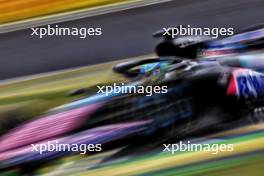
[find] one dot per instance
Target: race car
(201, 97)
(248, 39)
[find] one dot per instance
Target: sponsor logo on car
(246, 84)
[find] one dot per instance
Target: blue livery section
(250, 85)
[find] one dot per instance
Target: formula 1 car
(204, 94)
(251, 38)
(201, 97)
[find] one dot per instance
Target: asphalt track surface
(125, 34)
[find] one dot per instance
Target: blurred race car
(201, 97)
(248, 39)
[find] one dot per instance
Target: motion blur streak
(46, 127)
(22, 9)
(160, 163)
(170, 161)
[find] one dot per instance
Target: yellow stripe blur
(144, 166)
(15, 10)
